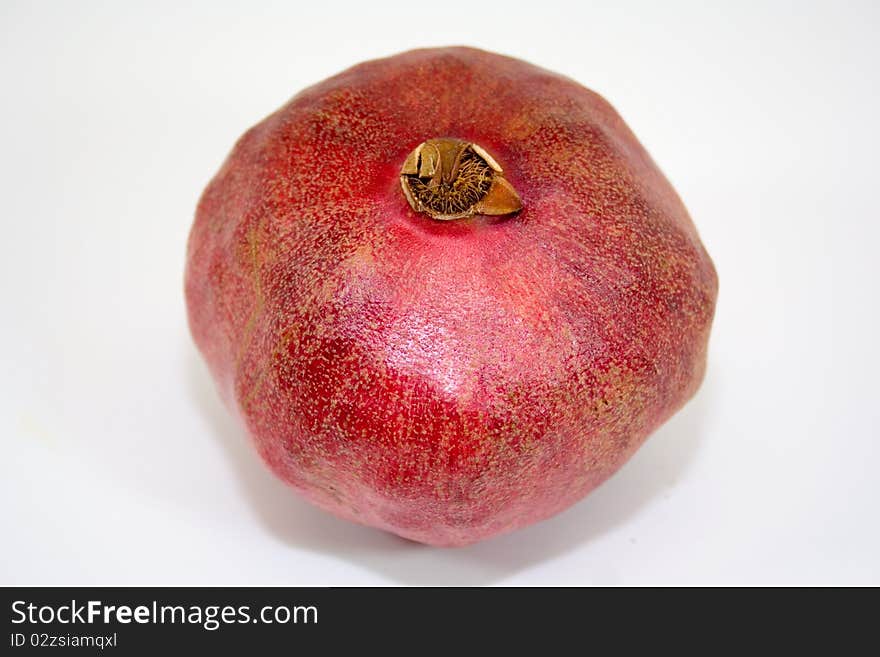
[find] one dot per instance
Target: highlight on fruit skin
(447, 293)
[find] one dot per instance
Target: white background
(120, 466)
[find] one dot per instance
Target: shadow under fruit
(448, 293)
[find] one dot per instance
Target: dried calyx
(451, 179)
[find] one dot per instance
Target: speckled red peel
(447, 380)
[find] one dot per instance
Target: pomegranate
(448, 293)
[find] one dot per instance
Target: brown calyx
(449, 178)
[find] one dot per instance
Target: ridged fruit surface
(447, 380)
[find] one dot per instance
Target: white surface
(119, 464)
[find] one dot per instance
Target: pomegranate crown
(449, 178)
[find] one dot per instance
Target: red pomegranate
(448, 293)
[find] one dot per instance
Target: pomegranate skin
(447, 380)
